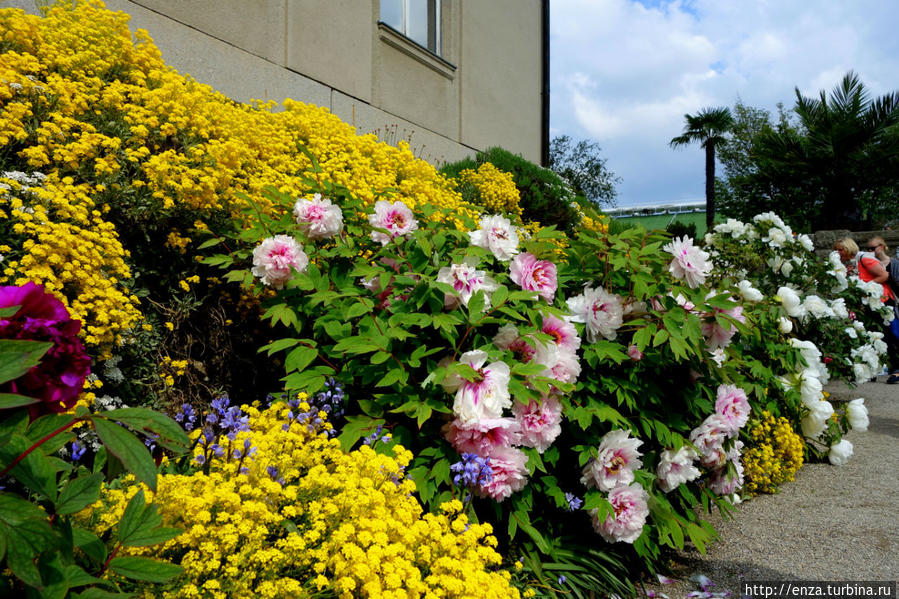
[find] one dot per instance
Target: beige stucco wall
(483, 91)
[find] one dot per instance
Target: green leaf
(356, 310)
(18, 356)
(476, 305)
(90, 543)
(355, 428)
(95, 593)
(209, 243)
(127, 448)
(77, 577)
(14, 510)
(13, 400)
(34, 471)
(299, 358)
(141, 525)
(278, 345)
(142, 568)
(25, 541)
(79, 493)
(391, 377)
(171, 435)
(9, 311)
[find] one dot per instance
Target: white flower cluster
(810, 381)
(866, 359)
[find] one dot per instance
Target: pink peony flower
(717, 336)
(466, 280)
(690, 264)
(527, 349)
(497, 235)
(630, 512)
(567, 368)
(728, 479)
(485, 397)
(733, 406)
(510, 473)
(615, 462)
(275, 259)
(534, 275)
(634, 354)
(676, 468)
(563, 333)
(59, 377)
(599, 310)
(709, 438)
(483, 436)
(539, 422)
(396, 217)
(318, 218)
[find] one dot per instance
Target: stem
(40, 442)
(111, 555)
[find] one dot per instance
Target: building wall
(483, 91)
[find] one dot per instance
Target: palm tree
(708, 127)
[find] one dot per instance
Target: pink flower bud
(635, 354)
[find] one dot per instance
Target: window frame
(435, 12)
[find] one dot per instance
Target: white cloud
(624, 73)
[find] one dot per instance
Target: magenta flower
(534, 275)
(634, 354)
(59, 377)
(510, 473)
(630, 512)
(482, 436)
(733, 406)
(275, 259)
(539, 422)
(396, 217)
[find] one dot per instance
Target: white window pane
(417, 22)
(392, 13)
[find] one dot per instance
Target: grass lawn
(661, 221)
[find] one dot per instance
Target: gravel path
(832, 523)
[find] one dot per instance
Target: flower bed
(571, 399)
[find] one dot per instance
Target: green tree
(830, 163)
(707, 128)
(581, 165)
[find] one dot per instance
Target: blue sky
(624, 72)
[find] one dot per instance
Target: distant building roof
(654, 209)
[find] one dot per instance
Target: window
(419, 20)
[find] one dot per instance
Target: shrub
(285, 513)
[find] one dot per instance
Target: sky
(623, 73)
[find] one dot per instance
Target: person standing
(879, 248)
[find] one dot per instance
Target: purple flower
(574, 502)
(472, 471)
(59, 377)
(78, 451)
(187, 416)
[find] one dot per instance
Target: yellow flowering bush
(299, 517)
(774, 455)
(124, 140)
(494, 189)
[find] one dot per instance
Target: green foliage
(44, 552)
(545, 197)
(830, 163)
(681, 229)
(582, 167)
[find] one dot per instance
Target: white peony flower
(815, 422)
(791, 302)
(676, 468)
(750, 293)
(840, 453)
(498, 235)
(599, 310)
(483, 398)
(784, 325)
(807, 242)
(690, 264)
(857, 414)
(318, 218)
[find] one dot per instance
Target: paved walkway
(832, 523)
